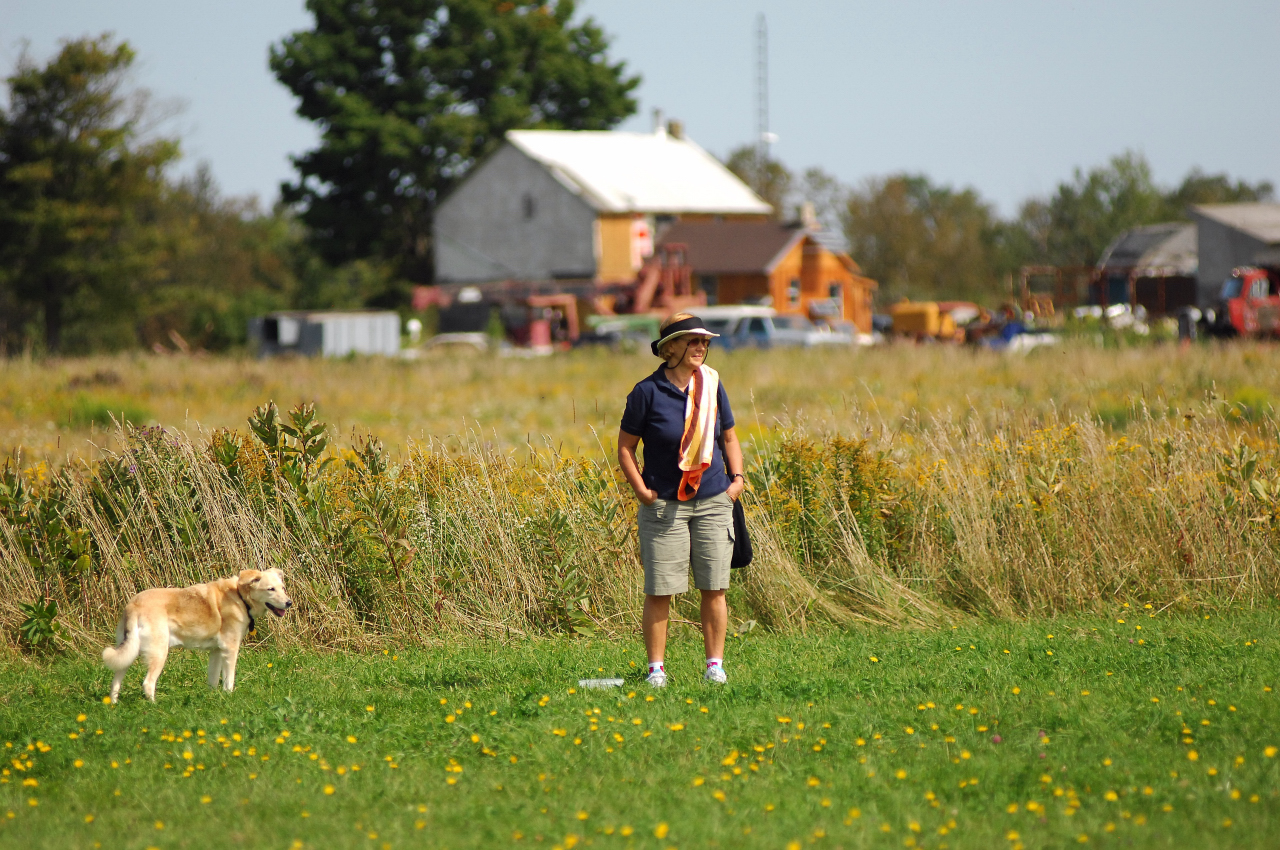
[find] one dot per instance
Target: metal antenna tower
(763, 137)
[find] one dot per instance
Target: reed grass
(881, 510)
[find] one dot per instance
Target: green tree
(827, 195)
(1075, 225)
(1086, 214)
(220, 261)
(769, 179)
(75, 171)
(409, 94)
(923, 241)
(1200, 188)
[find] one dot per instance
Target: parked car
(749, 326)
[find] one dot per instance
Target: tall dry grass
(1000, 512)
(60, 408)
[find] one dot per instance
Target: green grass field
(1136, 729)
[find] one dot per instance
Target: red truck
(1248, 305)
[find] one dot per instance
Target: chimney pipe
(659, 126)
(675, 128)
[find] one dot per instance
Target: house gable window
(528, 206)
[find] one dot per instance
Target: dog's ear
(248, 578)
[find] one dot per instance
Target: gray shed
(1154, 266)
(326, 333)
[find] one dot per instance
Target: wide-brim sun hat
(692, 326)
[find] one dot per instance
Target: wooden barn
(580, 205)
(785, 265)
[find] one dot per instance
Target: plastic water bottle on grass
(600, 683)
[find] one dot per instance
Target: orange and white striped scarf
(699, 438)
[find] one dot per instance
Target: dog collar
(253, 625)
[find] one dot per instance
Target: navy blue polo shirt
(655, 414)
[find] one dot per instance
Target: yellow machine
(922, 319)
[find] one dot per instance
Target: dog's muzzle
(279, 612)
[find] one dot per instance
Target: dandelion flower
(329, 789)
(660, 831)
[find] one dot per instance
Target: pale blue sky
(1007, 97)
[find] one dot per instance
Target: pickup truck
(1247, 306)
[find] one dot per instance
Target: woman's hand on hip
(647, 496)
(735, 488)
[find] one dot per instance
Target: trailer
(325, 333)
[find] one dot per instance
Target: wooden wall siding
(615, 248)
(818, 268)
(737, 288)
(788, 269)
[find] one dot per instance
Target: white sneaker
(715, 675)
(657, 679)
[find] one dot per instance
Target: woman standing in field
(681, 414)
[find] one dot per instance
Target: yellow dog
(215, 616)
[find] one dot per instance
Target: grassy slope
(547, 787)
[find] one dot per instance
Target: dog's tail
(125, 652)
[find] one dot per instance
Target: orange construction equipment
(665, 284)
(920, 319)
(565, 302)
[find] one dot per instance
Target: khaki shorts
(676, 535)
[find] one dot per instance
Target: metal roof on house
(734, 247)
(1156, 250)
(1261, 221)
(638, 172)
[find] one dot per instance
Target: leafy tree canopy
(1075, 225)
(409, 94)
(767, 177)
(75, 169)
(921, 240)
